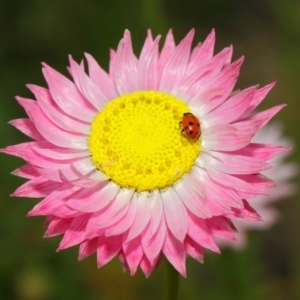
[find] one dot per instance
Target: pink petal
(108, 248)
(259, 96)
(146, 266)
(55, 114)
(87, 248)
(225, 138)
(156, 211)
(67, 97)
(243, 188)
(234, 164)
(117, 210)
(86, 86)
(142, 216)
(126, 222)
(166, 51)
(51, 203)
(26, 171)
(265, 116)
(52, 152)
(202, 53)
(261, 151)
(193, 197)
(133, 252)
(37, 187)
(95, 198)
(174, 251)
(148, 45)
(194, 81)
(176, 65)
(225, 80)
(232, 109)
(27, 127)
(152, 246)
(50, 131)
(125, 68)
(148, 68)
(75, 234)
(222, 227)
(177, 222)
(193, 249)
(247, 213)
(201, 234)
(101, 78)
(58, 226)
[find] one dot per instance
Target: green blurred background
(266, 32)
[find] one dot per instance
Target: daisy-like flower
(282, 173)
(122, 176)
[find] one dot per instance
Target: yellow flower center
(136, 141)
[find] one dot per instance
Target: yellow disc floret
(136, 141)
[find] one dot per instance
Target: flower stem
(171, 282)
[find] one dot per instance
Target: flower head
(118, 171)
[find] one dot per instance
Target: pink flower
(119, 173)
(282, 173)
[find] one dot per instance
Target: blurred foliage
(266, 32)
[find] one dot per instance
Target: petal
(26, 171)
(193, 197)
(67, 97)
(37, 187)
(259, 96)
(222, 227)
(166, 51)
(234, 164)
(50, 131)
(126, 222)
(202, 53)
(176, 65)
(175, 214)
(201, 234)
(261, 151)
(27, 127)
(58, 226)
(232, 109)
(75, 234)
(148, 68)
(153, 246)
(108, 248)
(87, 248)
(193, 249)
(142, 216)
(95, 198)
(133, 252)
(55, 114)
(174, 251)
(54, 153)
(101, 78)
(86, 86)
(265, 116)
(125, 67)
(225, 138)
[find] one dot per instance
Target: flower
(118, 173)
(282, 173)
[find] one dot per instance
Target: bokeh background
(266, 32)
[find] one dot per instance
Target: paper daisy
(282, 173)
(119, 165)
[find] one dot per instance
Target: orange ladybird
(191, 128)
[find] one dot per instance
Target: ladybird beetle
(190, 126)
